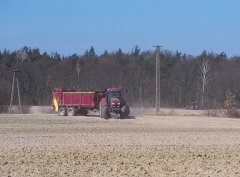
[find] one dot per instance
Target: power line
(15, 78)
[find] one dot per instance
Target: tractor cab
(114, 96)
(113, 102)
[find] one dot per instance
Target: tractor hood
(115, 100)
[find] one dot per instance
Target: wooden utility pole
(157, 99)
(15, 77)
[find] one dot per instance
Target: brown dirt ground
(50, 145)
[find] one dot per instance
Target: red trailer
(69, 102)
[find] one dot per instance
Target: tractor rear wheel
(100, 110)
(71, 111)
(124, 112)
(62, 111)
(105, 112)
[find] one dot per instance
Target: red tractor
(113, 102)
(69, 102)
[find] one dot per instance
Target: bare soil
(50, 145)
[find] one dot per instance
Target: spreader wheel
(71, 111)
(62, 111)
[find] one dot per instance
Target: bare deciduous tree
(78, 70)
(205, 76)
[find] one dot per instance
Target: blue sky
(72, 26)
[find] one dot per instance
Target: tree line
(184, 78)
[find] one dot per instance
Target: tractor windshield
(113, 95)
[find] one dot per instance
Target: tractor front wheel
(124, 112)
(105, 112)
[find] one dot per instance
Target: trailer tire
(83, 111)
(71, 111)
(124, 112)
(62, 111)
(105, 112)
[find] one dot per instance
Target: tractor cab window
(113, 95)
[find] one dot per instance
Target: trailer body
(69, 97)
(80, 99)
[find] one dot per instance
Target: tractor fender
(103, 102)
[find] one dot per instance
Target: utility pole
(157, 99)
(15, 77)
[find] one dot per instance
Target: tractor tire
(105, 112)
(124, 112)
(71, 111)
(62, 111)
(100, 110)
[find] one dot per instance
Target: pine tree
(92, 52)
